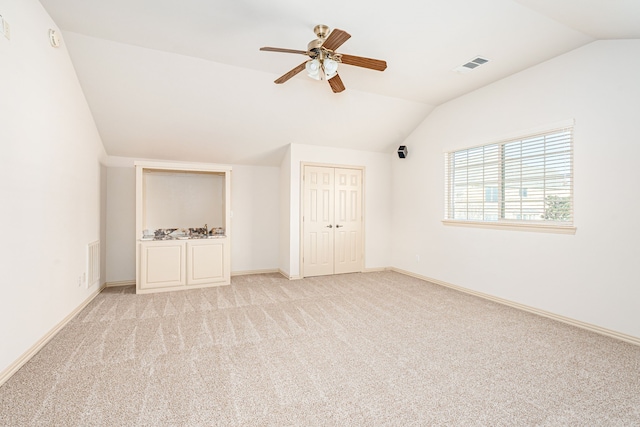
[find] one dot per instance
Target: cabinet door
(162, 264)
(205, 262)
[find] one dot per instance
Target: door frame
(300, 219)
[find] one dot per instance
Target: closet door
(332, 221)
(348, 221)
(318, 211)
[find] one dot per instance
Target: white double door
(332, 221)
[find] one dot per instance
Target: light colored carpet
(358, 349)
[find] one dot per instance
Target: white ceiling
(186, 80)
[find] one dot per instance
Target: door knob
(338, 226)
(329, 226)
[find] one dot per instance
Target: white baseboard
(376, 269)
(286, 275)
(583, 325)
(120, 283)
(233, 273)
(15, 366)
(283, 273)
(249, 272)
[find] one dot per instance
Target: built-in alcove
(182, 197)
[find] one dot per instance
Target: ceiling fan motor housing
(315, 45)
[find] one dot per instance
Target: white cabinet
(207, 261)
(168, 265)
(182, 196)
(162, 264)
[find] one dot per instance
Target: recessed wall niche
(183, 199)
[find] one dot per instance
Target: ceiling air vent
(471, 65)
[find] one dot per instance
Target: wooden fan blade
(277, 49)
(336, 84)
(290, 74)
(359, 61)
(335, 39)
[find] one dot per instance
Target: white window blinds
(525, 180)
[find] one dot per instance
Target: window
(527, 180)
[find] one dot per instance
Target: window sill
(504, 225)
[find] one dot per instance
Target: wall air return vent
(471, 65)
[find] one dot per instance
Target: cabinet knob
(338, 226)
(330, 226)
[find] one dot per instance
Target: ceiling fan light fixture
(330, 68)
(313, 68)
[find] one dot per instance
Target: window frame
(487, 163)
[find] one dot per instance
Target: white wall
(591, 276)
(255, 202)
(50, 182)
(121, 224)
(255, 195)
(285, 213)
(377, 181)
(103, 223)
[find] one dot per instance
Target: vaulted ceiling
(185, 80)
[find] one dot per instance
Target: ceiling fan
(324, 61)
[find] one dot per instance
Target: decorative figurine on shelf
(198, 232)
(163, 233)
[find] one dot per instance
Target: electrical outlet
(79, 281)
(417, 258)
